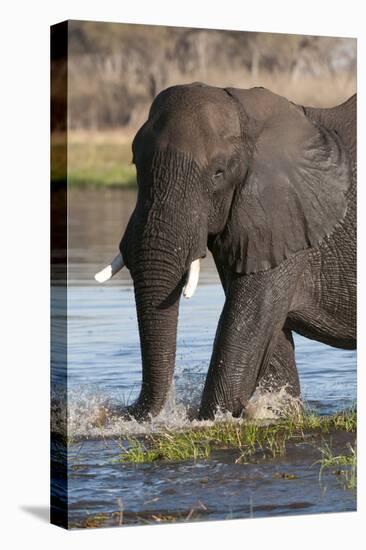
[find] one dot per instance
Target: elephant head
(244, 172)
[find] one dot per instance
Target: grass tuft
(167, 446)
(347, 474)
(250, 439)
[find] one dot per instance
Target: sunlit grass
(345, 420)
(167, 446)
(93, 159)
(345, 464)
(249, 438)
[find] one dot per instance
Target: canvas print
(203, 264)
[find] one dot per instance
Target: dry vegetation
(116, 70)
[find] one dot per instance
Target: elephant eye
(218, 174)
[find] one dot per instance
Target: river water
(104, 367)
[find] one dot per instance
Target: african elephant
(270, 188)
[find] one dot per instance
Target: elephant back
(342, 119)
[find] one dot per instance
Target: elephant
(269, 187)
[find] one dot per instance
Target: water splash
(91, 414)
(272, 405)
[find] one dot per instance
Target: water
(216, 489)
(104, 367)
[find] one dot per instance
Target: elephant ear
(293, 194)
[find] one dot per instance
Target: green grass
(248, 438)
(346, 420)
(345, 464)
(93, 162)
(167, 446)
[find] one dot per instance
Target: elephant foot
(210, 411)
(130, 413)
(143, 409)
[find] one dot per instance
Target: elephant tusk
(111, 269)
(192, 279)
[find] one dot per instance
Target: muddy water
(104, 368)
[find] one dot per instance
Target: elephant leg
(281, 370)
(249, 330)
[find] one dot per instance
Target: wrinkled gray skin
(269, 187)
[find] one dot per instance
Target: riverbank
(104, 157)
(94, 158)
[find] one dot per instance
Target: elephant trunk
(161, 247)
(158, 288)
